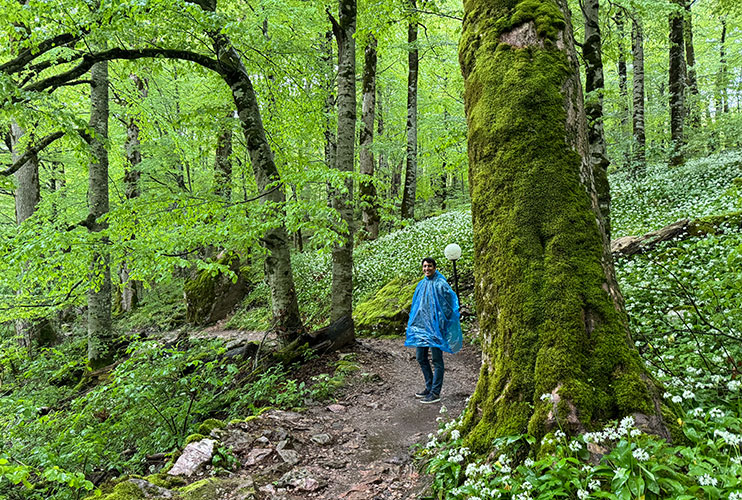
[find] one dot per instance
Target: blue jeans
(433, 380)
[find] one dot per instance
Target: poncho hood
(434, 316)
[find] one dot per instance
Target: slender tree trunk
(383, 160)
(723, 95)
(410, 181)
(623, 93)
(367, 188)
(285, 308)
(640, 140)
(396, 180)
(592, 53)
(132, 290)
(677, 85)
(342, 254)
(329, 109)
(100, 336)
(694, 120)
(27, 197)
(551, 317)
(223, 162)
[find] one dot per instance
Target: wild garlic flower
(707, 480)
(640, 454)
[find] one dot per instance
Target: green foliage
(631, 464)
(662, 195)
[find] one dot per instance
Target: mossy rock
(211, 295)
(125, 490)
(387, 312)
(713, 224)
(211, 488)
(193, 438)
(209, 425)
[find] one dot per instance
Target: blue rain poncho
(434, 317)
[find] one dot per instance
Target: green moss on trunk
(547, 309)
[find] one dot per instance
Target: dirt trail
(359, 447)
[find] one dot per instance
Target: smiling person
(433, 327)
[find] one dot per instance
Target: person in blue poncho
(433, 326)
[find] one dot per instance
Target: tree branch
(29, 54)
(89, 60)
(30, 153)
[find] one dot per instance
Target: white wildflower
(455, 434)
(688, 394)
(528, 462)
(640, 454)
(575, 445)
(594, 484)
(582, 494)
(546, 396)
(707, 480)
(677, 399)
(635, 432)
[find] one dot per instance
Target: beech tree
(413, 62)
(677, 84)
(549, 308)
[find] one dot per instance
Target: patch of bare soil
(359, 446)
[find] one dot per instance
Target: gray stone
(289, 456)
(193, 457)
(257, 454)
(322, 439)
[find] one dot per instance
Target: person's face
(428, 269)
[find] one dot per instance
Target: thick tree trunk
(592, 53)
(677, 86)
(551, 317)
(640, 140)
(342, 254)
(100, 336)
(410, 180)
(329, 107)
(694, 119)
(132, 290)
(367, 188)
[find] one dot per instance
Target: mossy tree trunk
(367, 188)
(342, 254)
(410, 178)
(677, 84)
(100, 335)
(592, 50)
(640, 139)
(549, 307)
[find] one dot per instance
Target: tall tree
(677, 83)
(722, 99)
(27, 197)
(413, 62)
(592, 49)
(132, 290)
(640, 139)
(623, 94)
(223, 160)
(344, 29)
(366, 187)
(692, 109)
(551, 316)
(100, 335)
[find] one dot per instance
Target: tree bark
(342, 254)
(551, 317)
(623, 94)
(721, 85)
(640, 140)
(100, 336)
(329, 108)
(223, 162)
(410, 181)
(592, 54)
(132, 290)
(367, 188)
(677, 85)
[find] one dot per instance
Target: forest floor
(357, 445)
